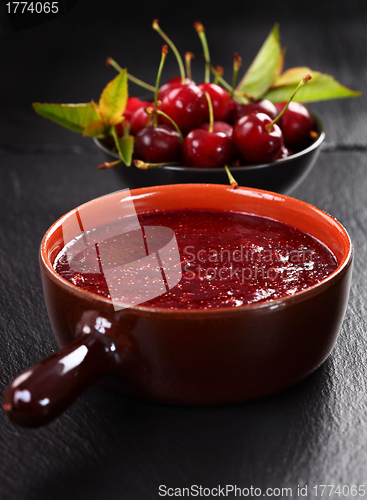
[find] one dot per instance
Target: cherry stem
(109, 164)
(220, 71)
(314, 135)
(240, 98)
(151, 112)
(156, 27)
(237, 63)
(142, 165)
(201, 32)
(137, 81)
(231, 179)
(211, 114)
(248, 96)
(161, 64)
(188, 58)
(162, 113)
(304, 80)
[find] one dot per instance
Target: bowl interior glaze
(279, 207)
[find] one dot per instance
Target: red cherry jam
(228, 259)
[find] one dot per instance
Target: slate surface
(106, 446)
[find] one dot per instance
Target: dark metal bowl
(281, 176)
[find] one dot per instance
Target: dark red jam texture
(228, 259)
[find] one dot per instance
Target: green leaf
(95, 129)
(126, 148)
(294, 75)
(264, 68)
(124, 145)
(75, 117)
(113, 99)
(321, 88)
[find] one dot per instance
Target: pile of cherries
(204, 126)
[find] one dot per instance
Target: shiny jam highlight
(228, 259)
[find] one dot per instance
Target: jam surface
(227, 259)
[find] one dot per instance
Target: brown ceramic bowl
(186, 357)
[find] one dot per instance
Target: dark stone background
(106, 446)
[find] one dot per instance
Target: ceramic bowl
(186, 357)
(281, 176)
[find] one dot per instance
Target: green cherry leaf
(126, 148)
(96, 108)
(265, 67)
(294, 75)
(95, 129)
(116, 120)
(113, 99)
(322, 87)
(124, 145)
(75, 117)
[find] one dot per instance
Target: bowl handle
(43, 391)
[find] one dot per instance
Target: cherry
(173, 83)
(186, 106)
(262, 106)
(225, 128)
(134, 103)
(140, 119)
(220, 100)
(232, 105)
(257, 139)
(156, 143)
(219, 126)
(160, 144)
(120, 132)
(283, 153)
(296, 124)
(206, 148)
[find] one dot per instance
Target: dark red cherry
(119, 129)
(219, 126)
(204, 149)
(296, 124)
(220, 99)
(254, 141)
(262, 106)
(134, 103)
(232, 105)
(283, 153)
(173, 83)
(224, 128)
(186, 105)
(139, 120)
(159, 144)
